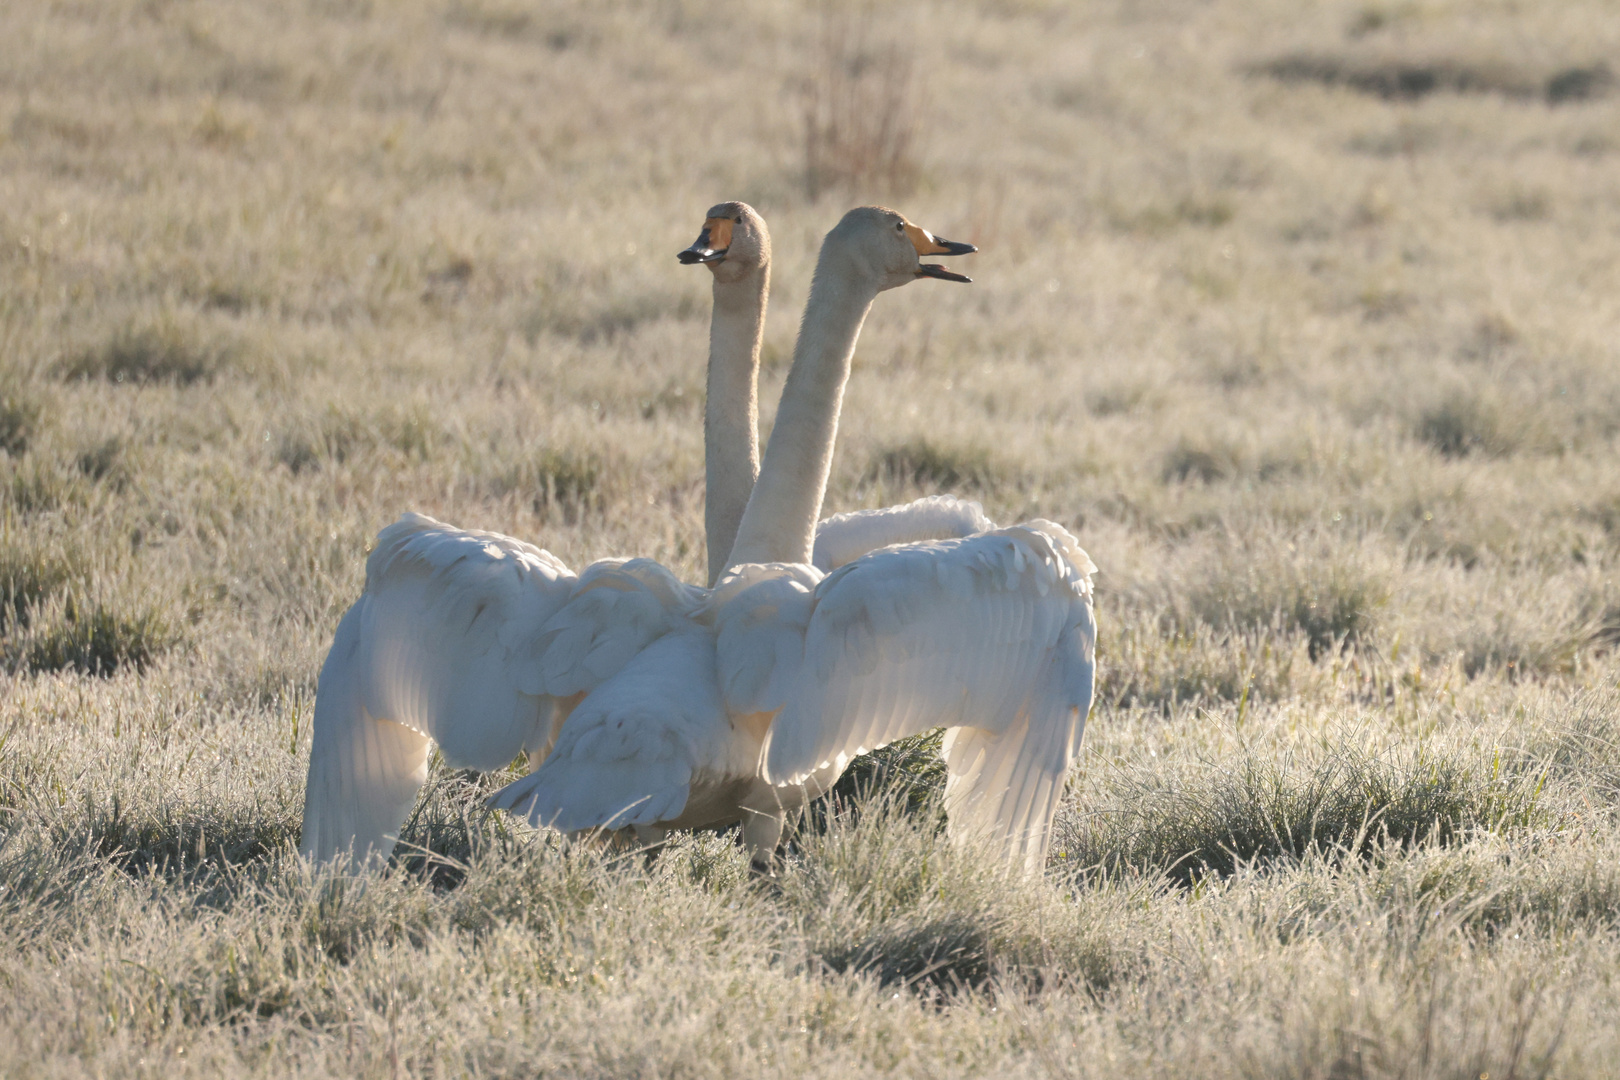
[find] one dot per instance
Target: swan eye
(899, 226)
(737, 219)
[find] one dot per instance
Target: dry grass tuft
(20, 414)
(933, 465)
(94, 637)
(172, 349)
(860, 105)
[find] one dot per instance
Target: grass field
(1302, 316)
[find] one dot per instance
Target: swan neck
(780, 522)
(731, 409)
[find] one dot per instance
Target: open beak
(936, 270)
(711, 245)
(927, 243)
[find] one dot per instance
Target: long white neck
(731, 411)
(780, 522)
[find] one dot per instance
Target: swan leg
(651, 838)
(761, 833)
(364, 773)
(650, 835)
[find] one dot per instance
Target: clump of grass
(338, 434)
(1398, 78)
(879, 892)
(29, 575)
(34, 485)
(19, 419)
(503, 18)
(1332, 603)
(566, 312)
(147, 837)
(234, 297)
(1506, 887)
(1516, 645)
(1122, 398)
(1522, 204)
(167, 350)
(1469, 422)
(1148, 667)
(1205, 464)
(1158, 219)
(1580, 83)
(860, 108)
(1492, 335)
(937, 466)
(1216, 817)
(910, 772)
(108, 462)
(565, 483)
(95, 636)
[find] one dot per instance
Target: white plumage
(645, 702)
(472, 641)
(992, 637)
(844, 538)
(432, 651)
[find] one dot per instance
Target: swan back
(844, 538)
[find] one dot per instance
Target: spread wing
(434, 650)
(447, 623)
(617, 609)
(628, 753)
(843, 538)
(992, 635)
(364, 773)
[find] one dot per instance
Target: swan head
(885, 246)
(732, 244)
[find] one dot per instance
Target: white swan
(482, 644)
(656, 748)
(991, 636)
(735, 244)
(736, 247)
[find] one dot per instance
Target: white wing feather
(843, 538)
(618, 608)
(448, 615)
(629, 752)
(1005, 787)
(363, 773)
(992, 635)
(431, 653)
(759, 613)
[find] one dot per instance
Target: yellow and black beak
(712, 243)
(927, 243)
